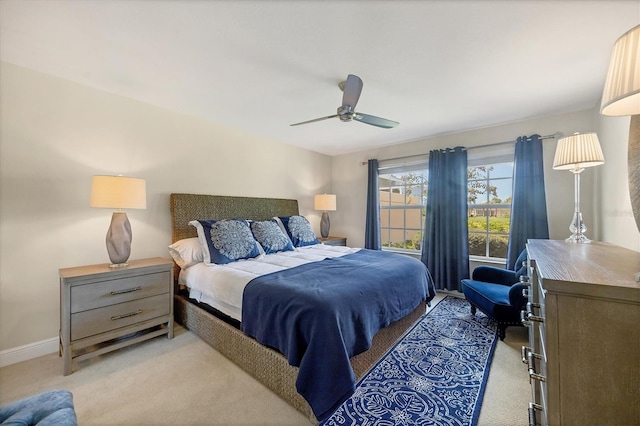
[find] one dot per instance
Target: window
(403, 199)
(403, 187)
(490, 187)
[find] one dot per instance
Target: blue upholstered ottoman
(46, 409)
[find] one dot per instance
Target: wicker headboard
(188, 207)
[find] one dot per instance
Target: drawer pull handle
(524, 318)
(534, 318)
(526, 352)
(532, 367)
(525, 293)
(533, 407)
(524, 280)
(130, 314)
(128, 290)
(535, 376)
(530, 315)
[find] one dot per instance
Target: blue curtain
(529, 205)
(372, 230)
(445, 246)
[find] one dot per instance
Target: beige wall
(605, 201)
(55, 135)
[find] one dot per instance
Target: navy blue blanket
(322, 313)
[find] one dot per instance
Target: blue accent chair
(46, 409)
(498, 293)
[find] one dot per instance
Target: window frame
(417, 165)
(487, 160)
(478, 156)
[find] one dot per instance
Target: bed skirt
(270, 367)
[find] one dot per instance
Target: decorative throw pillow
(225, 241)
(186, 252)
(270, 236)
(299, 230)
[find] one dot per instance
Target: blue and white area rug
(435, 375)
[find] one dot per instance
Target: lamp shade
(325, 202)
(118, 192)
(621, 94)
(578, 151)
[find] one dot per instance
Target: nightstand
(333, 241)
(103, 309)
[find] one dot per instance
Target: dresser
(583, 315)
(103, 309)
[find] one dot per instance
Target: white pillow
(187, 252)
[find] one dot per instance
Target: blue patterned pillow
(299, 230)
(225, 241)
(270, 236)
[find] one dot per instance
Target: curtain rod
(556, 135)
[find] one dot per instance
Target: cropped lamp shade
(621, 95)
(118, 192)
(326, 203)
(575, 153)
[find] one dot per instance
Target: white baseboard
(27, 352)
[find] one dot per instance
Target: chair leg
(502, 331)
(473, 310)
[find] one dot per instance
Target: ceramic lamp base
(119, 240)
(324, 225)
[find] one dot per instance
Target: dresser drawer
(95, 321)
(96, 295)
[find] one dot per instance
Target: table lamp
(621, 96)
(575, 153)
(118, 192)
(326, 203)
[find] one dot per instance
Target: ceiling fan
(351, 89)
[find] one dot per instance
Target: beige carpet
(183, 381)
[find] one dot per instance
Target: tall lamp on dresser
(575, 153)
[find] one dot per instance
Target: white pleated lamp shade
(621, 95)
(118, 192)
(578, 151)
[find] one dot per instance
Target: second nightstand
(333, 241)
(104, 309)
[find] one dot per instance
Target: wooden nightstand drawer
(333, 241)
(101, 320)
(105, 293)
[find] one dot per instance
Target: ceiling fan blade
(314, 120)
(352, 90)
(375, 121)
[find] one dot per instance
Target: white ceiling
(437, 67)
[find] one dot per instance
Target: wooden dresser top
(603, 268)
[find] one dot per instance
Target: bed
(222, 332)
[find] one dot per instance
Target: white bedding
(222, 286)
